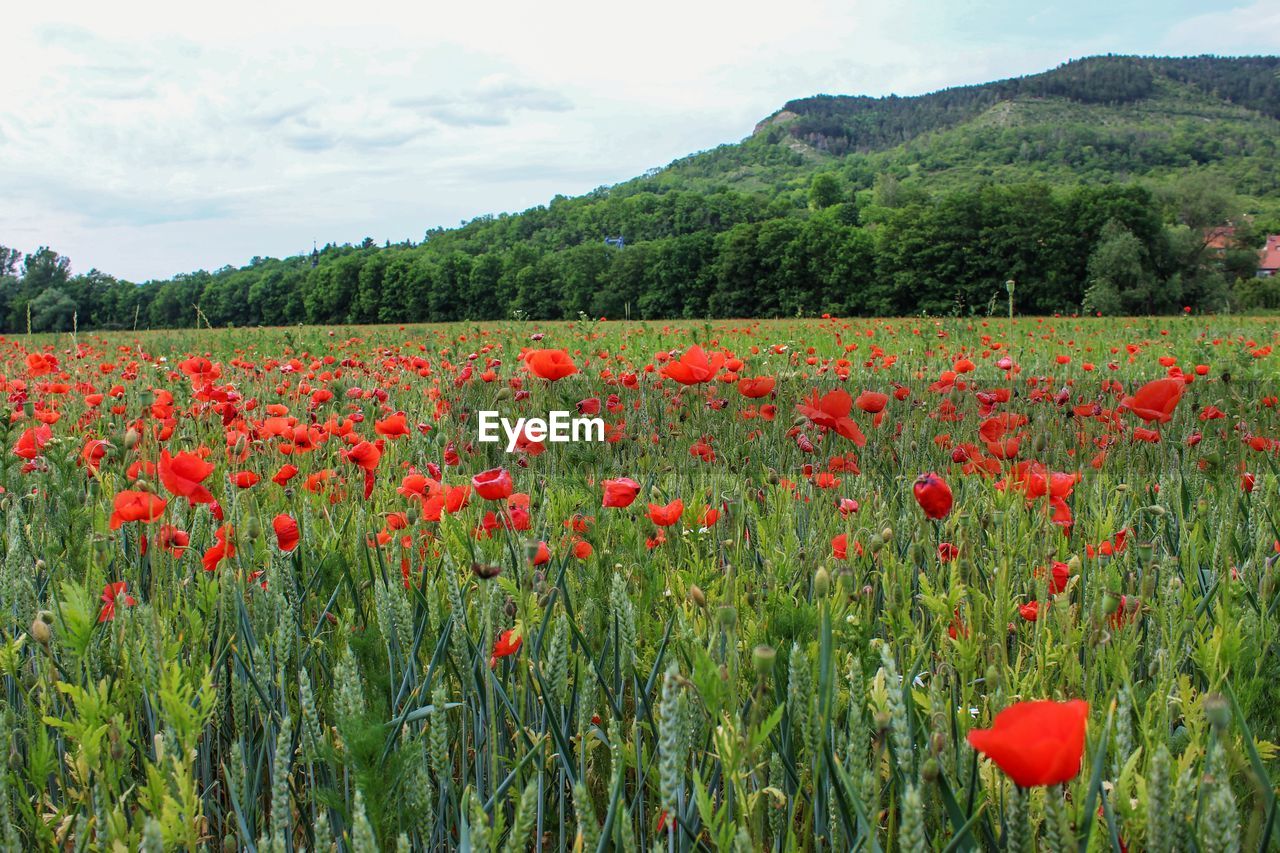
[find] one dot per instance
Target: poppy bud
(411, 515)
(937, 743)
(253, 528)
(875, 544)
(887, 534)
(762, 658)
(40, 631)
(728, 616)
(1074, 564)
(1110, 604)
(1217, 711)
(929, 770)
(116, 749)
(131, 438)
(696, 595)
(821, 583)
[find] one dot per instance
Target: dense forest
(1092, 186)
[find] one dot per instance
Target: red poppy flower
(933, 494)
(831, 411)
(365, 455)
(223, 548)
(871, 402)
(550, 364)
(286, 473)
(136, 506)
(1036, 743)
(40, 364)
(493, 485)
(840, 547)
(1156, 400)
(756, 387)
(666, 516)
(183, 475)
(541, 555)
(32, 442)
(507, 644)
(173, 540)
(110, 593)
(694, 366)
(244, 479)
(393, 427)
(94, 450)
(620, 492)
(286, 531)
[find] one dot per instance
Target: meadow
(909, 584)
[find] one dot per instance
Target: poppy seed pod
(763, 658)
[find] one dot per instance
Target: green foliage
(854, 205)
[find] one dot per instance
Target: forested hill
(1092, 185)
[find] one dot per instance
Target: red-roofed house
(1269, 261)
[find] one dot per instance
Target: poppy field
(825, 584)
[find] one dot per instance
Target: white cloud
(1254, 28)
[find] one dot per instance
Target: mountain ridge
(1092, 183)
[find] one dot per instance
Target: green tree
(824, 190)
(52, 311)
(1118, 281)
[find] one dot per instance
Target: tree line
(889, 250)
(1088, 201)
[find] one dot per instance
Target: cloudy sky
(148, 138)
